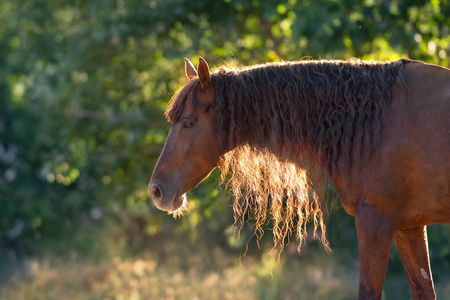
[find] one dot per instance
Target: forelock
(185, 96)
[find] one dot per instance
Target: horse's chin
(179, 206)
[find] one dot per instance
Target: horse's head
(192, 150)
(223, 121)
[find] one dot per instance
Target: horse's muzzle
(163, 200)
(155, 192)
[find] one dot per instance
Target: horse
(377, 131)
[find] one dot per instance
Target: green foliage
(83, 87)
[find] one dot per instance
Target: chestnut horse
(380, 132)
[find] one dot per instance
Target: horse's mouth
(179, 205)
(177, 201)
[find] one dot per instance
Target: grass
(176, 266)
(192, 276)
(201, 275)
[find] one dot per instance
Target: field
(198, 271)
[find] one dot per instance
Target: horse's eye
(188, 124)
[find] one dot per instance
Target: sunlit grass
(210, 273)
(193, 276)
(173, 266)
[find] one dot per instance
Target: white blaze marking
(424, 273)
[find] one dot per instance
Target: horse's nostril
(156, 191)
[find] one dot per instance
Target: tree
(83, 88)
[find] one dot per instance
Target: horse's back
(411, 176)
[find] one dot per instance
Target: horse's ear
(190, 69)
(203, 73)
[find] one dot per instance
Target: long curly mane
(283, 120)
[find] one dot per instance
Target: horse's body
(389, 163)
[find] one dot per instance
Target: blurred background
(83, 88)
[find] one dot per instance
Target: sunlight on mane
(267, 189)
